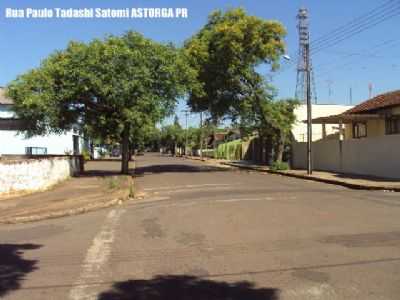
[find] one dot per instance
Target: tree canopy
(172, 136)
(118, 88)
(225, 54)
(110, 87)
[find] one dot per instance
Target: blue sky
(370, 57)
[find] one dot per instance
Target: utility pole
(304, 78)
(370, 90)
(186, 115)
(329, 82)
(304, 38)
(351, 96)
(201, 135)
(186, 131)
(309, 110)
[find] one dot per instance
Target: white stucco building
(12, 141)
(318, 110)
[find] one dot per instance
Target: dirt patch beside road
(101, 186)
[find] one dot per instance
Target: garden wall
(377, 156)
(21, 174)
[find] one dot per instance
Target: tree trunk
(131, 151)
(125, 151)
(280, 147)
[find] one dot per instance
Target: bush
(279, 166)
(231, 150)
(209, 153)
(86, 154)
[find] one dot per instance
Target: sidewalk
(100, 186)
(347, 180)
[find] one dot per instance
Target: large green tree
(172, 136)
(226, 54)
(111, 87)
(272, 119)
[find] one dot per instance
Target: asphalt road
(207, 233)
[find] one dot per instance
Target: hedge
(231, 150)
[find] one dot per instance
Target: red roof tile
(380, 101)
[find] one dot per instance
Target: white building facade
(12, 141)
(299, 130)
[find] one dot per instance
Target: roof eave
(345, 118)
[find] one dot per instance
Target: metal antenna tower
(304, 41)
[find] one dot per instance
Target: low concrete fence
(21, 174)
(378, 156)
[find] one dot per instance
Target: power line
(356, 23)
(365, 53)
(352, 62)
(360, 24)
(350, 34)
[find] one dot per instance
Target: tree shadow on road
(103, 168)
(176, 168)
(13, 267)
(187, 288)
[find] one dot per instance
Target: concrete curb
(126, 195)
(318, 179)
(59, 214)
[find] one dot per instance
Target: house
(217, 138)
(299, 129)
(12, 140)
(375, 117)
(367, 144)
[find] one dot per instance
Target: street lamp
(186, 131)
(286, 57)
(309, 106)
(201, 135)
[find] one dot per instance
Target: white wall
(30, 175)
(377, 156)
(6, 112)
(13, 143)
(318, 110)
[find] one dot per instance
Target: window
(35, 150)
(359, 130)
(393, 125)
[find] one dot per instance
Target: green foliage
(172, 136)
(112, 88)
(120, 182)
(225, 54)
(279, 166)
(278, 119)
(131, 190)
(102, 153)
(272, 119)
(209, 153)
(86, 154)
(231, 150)
(148, 136)
(113, 183)
(280, 114)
